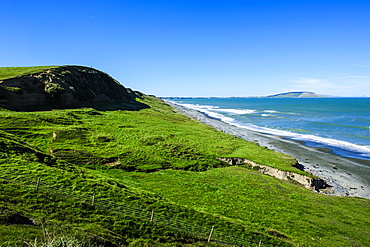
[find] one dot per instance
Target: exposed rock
(307, 182)
(62, 87)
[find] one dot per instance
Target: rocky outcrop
(307, 182)
(62, 87)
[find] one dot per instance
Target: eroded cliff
(306, 181)
(62, 87)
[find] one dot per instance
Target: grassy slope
(10, 72)
(101, 147)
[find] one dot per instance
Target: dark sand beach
(348, 177)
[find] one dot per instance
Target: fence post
(210, 234)
(152, 216)
(38, 183)
(93, 200)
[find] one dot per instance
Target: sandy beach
(348, 177)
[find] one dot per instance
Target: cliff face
(307, 182)
(62, 87)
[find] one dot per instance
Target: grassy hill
(151, 177)
(10, 72)
(46, 88)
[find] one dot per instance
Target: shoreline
(347, 176)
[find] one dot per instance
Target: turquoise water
(341, 124)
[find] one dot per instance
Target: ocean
(339, 124)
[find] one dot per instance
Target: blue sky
(198, 47)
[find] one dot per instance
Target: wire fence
(209, 234)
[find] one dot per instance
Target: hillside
(296, 95)
(42, 88)
(152, 177)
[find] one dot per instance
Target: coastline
(347, 176)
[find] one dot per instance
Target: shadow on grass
(126, 106)
(99, 106)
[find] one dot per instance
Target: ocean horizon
(339, 124)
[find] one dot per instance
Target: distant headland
(302, 94)
(296, 95)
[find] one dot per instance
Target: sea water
(340, 124)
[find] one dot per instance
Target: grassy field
(155, 160)
(10, 72)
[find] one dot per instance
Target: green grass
(156, 159)
(10, 72)
(265, 204)
(146, 140)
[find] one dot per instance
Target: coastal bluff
(306, 181)
(62, 87)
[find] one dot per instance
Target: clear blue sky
(198, 47)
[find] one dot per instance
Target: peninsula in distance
(280, 95)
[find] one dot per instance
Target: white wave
(270, 111)
(219, 116)
(237, 111)
(196, 106)
(362, 149)
(203, 108)
(210, 111)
